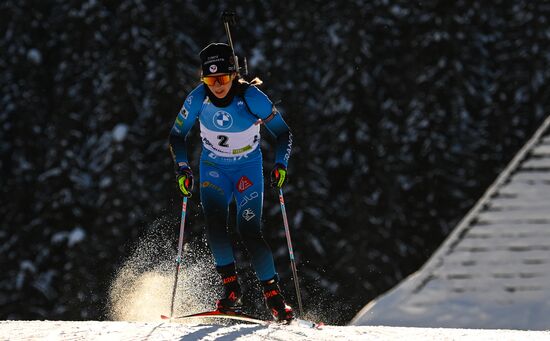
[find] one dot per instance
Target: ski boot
(231, 301)
(275, 302)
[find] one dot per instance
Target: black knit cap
(217, 58)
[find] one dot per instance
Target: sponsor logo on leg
(244, 184)
(208, 184)
(248, 198)
(248, 214)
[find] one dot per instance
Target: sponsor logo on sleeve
(288, 148)
(184, 113)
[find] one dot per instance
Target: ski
(213, 314)
(305, 323)
(218, 314)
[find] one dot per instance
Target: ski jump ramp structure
(493, 271)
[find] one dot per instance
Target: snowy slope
(93, 330)
(494, 269)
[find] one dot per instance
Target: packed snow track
(109, 330)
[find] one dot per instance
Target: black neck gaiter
(223, 102)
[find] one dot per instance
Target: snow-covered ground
(120, 330)
(493, 271)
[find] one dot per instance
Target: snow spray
(142, 287)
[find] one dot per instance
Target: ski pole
(178, 258)
(291, 252)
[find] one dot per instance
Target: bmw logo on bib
(223, 120)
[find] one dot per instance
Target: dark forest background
(403, 113)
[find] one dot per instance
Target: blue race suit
(231, 167)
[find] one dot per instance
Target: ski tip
(307, 324)
(164, 317)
